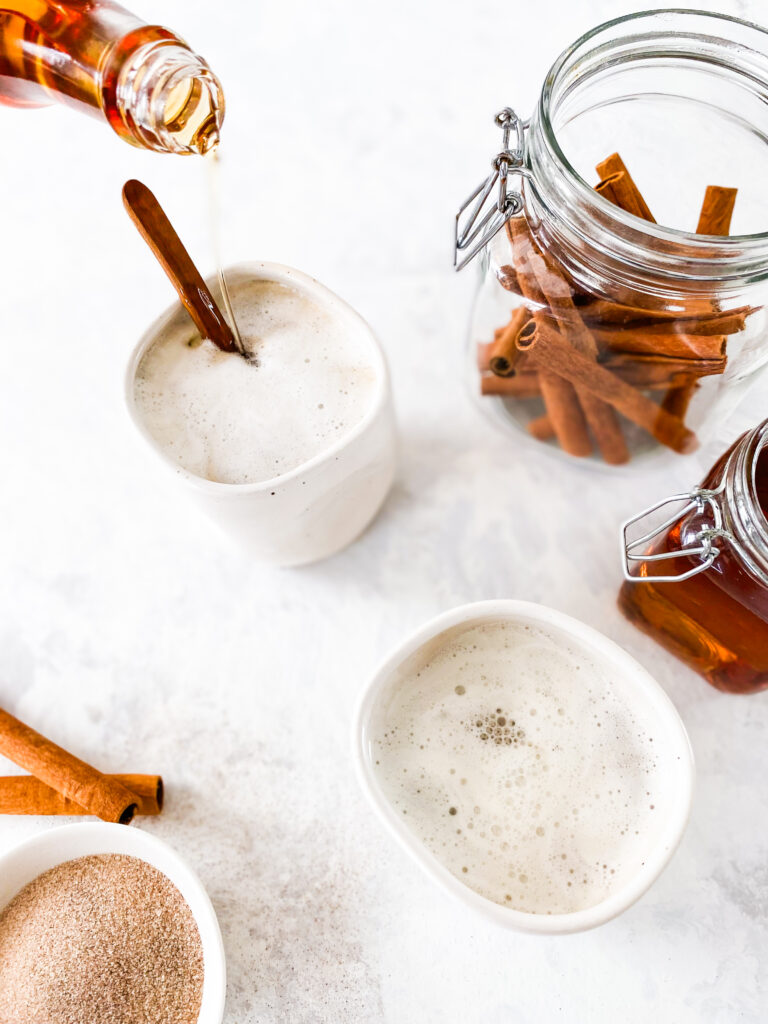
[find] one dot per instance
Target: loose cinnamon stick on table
(623, 191)
(559, 396)
(25, 794)
(548, 348)
(98, 794)
(504, 353)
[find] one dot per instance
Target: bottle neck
(166, 98)
(675, 55)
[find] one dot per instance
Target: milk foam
(226, 419)
(522, 767)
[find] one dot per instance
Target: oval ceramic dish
(635, 680)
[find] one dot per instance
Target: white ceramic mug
(326, 503)
(643, 691)
(23, 863)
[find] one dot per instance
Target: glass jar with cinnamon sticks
(617, 315)
(696, 570)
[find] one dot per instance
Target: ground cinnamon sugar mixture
(105, 939)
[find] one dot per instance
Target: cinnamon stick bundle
(632, 349)
(548, 348)
(25, 794)
(98, 794)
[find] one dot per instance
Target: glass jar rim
(746, 254)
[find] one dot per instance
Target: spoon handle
(158, 232)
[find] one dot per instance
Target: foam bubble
(521, 765)
(225, 419)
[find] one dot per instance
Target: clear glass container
(697, 580)
(602, 333)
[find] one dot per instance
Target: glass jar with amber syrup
(622, 237)
(697, 581)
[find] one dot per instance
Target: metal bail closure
(487, 214)
(703, 543)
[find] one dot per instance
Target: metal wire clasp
(474, 231)
(699, 501)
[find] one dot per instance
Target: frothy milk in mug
(522, 767)
(292, 448)
(239, 421)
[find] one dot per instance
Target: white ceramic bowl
(644, 689)
(320, 507)
(23, 863)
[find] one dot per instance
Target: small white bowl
(23, 863)
(679, 789)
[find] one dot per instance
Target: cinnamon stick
(697, 316)
(522, 385)
(25, 794)
(646, 372)
(548, 348)
(649, 371)
(677, 346)
(504, 352)
(716, 211)
(541, 428)
(620, 190)
(600, 416)
(559, 397)
(507, 276)
(98, 794)
(714, 219)
(623, 191)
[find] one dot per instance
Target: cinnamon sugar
(104, 939)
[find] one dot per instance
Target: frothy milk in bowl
(528, 764)
(291, 449)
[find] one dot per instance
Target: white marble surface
(130, 632)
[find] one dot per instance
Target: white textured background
(132, 634)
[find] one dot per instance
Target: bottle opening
(170, 100)
(191, 115)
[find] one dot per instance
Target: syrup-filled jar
(696, 570)
(622, 237)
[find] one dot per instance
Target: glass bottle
(97, 57)
(597, 331)
(698, 581)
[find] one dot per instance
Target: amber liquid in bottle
(717, 621)
(98, 57)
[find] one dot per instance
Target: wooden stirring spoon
(158, 232)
